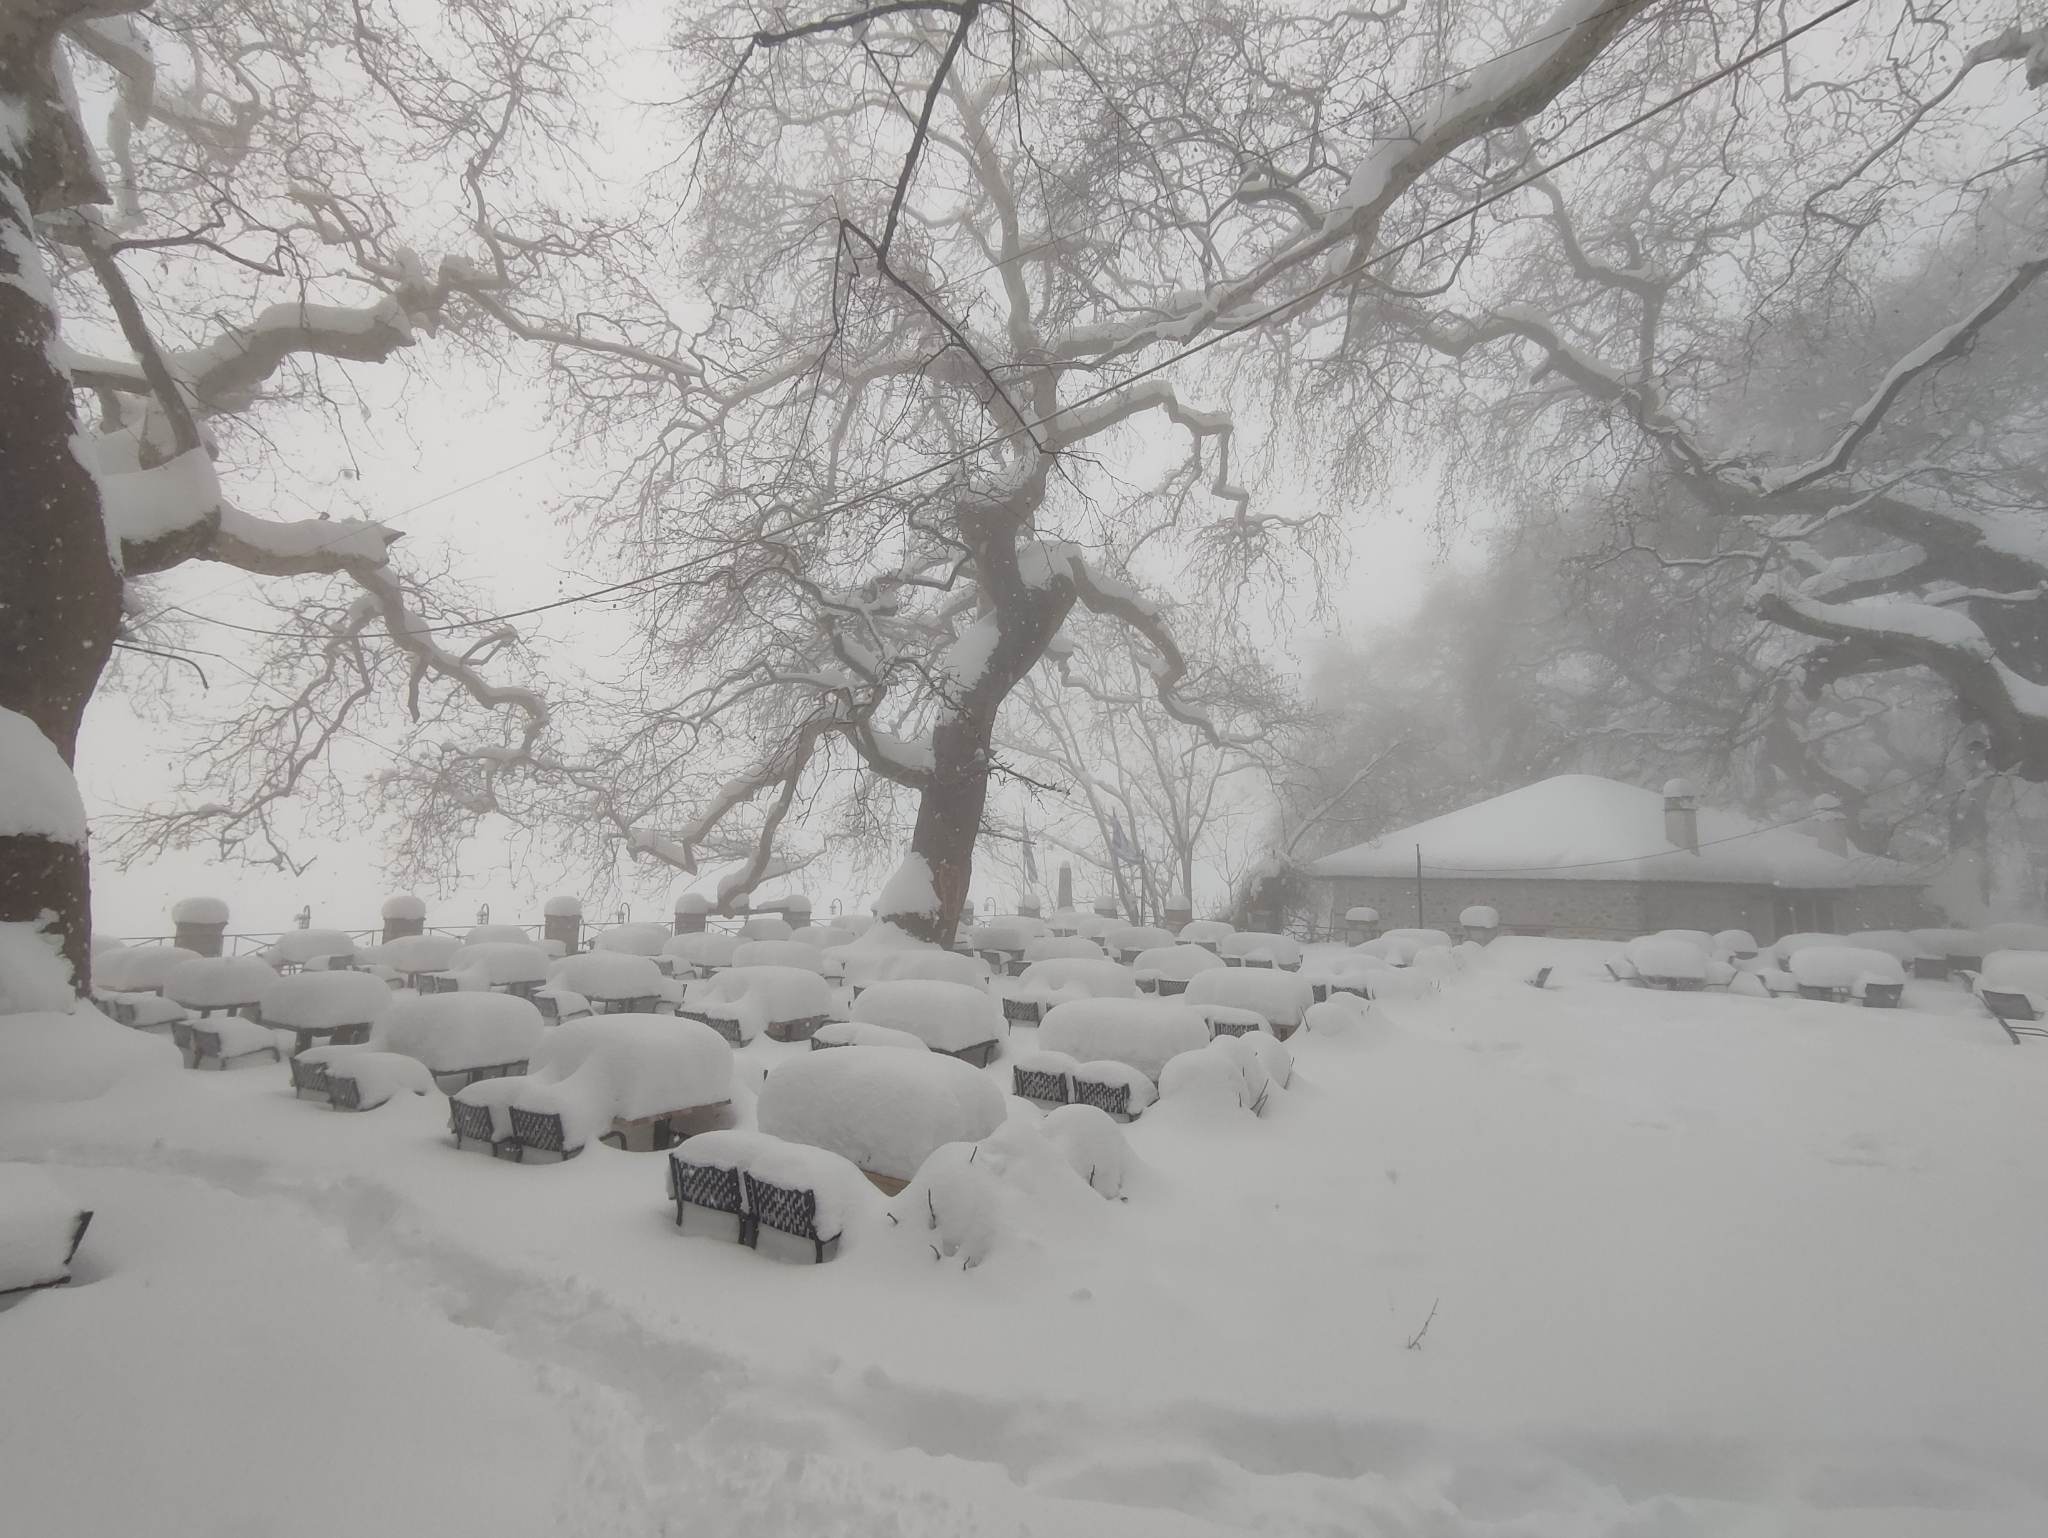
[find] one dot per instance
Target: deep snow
(1592, 1260)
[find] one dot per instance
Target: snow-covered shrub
(322, 1001)
(1094, 1146)
(296, 947)
(856, 1033)
(138, 968)
(886, 1111)
(779, 1000)
(1282, 997)
(1844, 968)
(779, 953)
(1257, 948)
(75, 1055)
(459, 1032)
(947, 1017)
(1173, 965)
(607, 977)
(1010, 1191)
(1144, 1034)
(218, 982)
(39, 1223)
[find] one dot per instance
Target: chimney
(1830, 826)
(1681, 815)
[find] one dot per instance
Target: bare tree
(260, 163)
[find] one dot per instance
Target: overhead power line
(1221, 334)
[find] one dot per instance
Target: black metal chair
(308, 1079)
(1883, 995)
(540, 1132)
(707, 1186)
(475, 1124)
(2014, 1011)
(786, 1209)
(1041, 1085)
(1113, 1098)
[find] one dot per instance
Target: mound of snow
(1143, 1034)
(296, 947)
(1093, 1143)
(405, 906)
(649, 1063)
(1062, 948)
(34, 976)
(455, 1032)
(1787, 946)
(79, 1055)
(909, 891)
(1174, 963)
(779, 953)
(1281, 997)
(1736, 943)
(1226, 1073)
(1657, 959)
(500, 963)
(320, 1001)
(754, 998)
(857, 1033)
(885, 1111)
(1932, 942)
(1129, 939)
(1005, 936)
(1394, 950)
(199, 910)
(633, 939)
(948, 1017)
(378, 1075)
(607, 976)
(38, 1223)
(2019, 971)
(1258, 947)
(1479, 917)
(1013, 1191)
(1346, 1017)
(1208, 933)
(766, 927)
(706, 952)
(1843, 967)
(419, 953)
(218, 982)
(840, 1189)
(138, 968)
(1421, 937)
(498, 934)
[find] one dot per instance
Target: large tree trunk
(60, 595)
(949, 821)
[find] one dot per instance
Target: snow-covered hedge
(458, 1032)
(947, 1017)
(885, 1111)
(1144, 1034)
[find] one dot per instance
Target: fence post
(562, 919)
(200, 923)
(403, 915)
(691, 909)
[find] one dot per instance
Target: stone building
(1584, 856)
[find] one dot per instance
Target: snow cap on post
(1681, 814)
(200, 922)
(1180, 911)
(1830, 825)
(1030, 907)
(562, 919)
(1479, 923)
(403, 915)
(692, 908)
(1361, 924)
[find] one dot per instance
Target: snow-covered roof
(1585, 827)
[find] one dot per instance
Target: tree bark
(60, 594)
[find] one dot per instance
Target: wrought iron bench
(1023, 1011)
(980, 1055)
(1883, 995)
(710, 1188)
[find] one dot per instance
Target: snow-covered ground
(1589, 1261)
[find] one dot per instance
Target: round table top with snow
(882, 1109)
(456, 1032)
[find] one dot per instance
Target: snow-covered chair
(336, 1008)
(363, 1078)
(1143, 1034)
(1281, 997)
(1227, 1020)
(854, 1033)
(1058, 947)
(752, 1186)
(218, 984)
(1207, 933)
(2014, 988)
(699, 955)
(952, 1018)
(412, 957)
(504, 966)
(1260, 948)
(1045, 985)
(230, 1039)
(883, 1110)
(1165, 969)
(1941, 952)
(1001, 944)
(614, 981)
(1113, 1087)
(1673, 964)
(297, 948)
(1841, 972)
(1046, 1078)
(138, 968)
(740, 1003)
(40, 1229)
(463, 1037)
(1126, 941)
(1349, 971)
